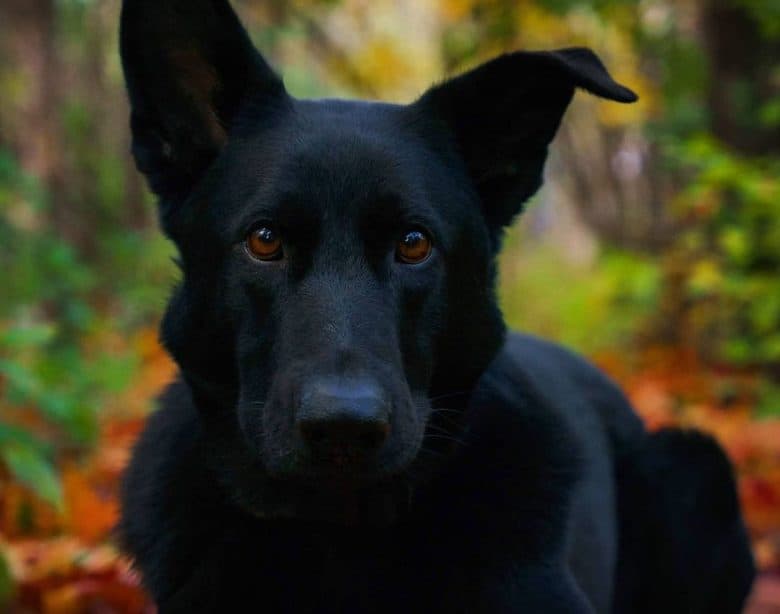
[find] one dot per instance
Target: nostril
(314, 433)
(374, 436)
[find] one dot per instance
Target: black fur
(685, 533)
(511, 475)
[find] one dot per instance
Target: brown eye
(264, 244)
(414, 247)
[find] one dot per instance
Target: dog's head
(337, 256)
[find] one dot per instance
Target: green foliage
(732, 249)
(766, 13)
(768, 405)
(46, 317)
(6, 582)
(28, 462)
(605, 304)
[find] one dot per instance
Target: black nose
(343, 420)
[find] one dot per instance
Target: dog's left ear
(504, 113)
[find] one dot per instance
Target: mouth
(337, 502)
(339, 480)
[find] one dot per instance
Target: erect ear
(504, 113)
(189, 64)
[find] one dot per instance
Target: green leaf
(10, 434)
(27, 336)
(6, 582)
(31, 467)
(768, 405)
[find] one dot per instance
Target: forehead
(344, 151)
(328, 157)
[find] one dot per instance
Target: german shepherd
(353, 429)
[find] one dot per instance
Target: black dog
(353, 429)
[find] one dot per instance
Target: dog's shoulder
(543, 396)
(523, 457)
(167, 447)
(164, 484)
(562, 425)
(576, 387)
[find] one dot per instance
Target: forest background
(654, 246)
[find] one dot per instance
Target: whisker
(439, 429)
(446, 410)
(433, 429)
(455, 420)
(436, 453)
(445, 438)
(447, 395)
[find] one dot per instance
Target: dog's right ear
(189, 64)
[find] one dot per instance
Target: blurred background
(654, 246)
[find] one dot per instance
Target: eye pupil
(414, 247)
(264, 244)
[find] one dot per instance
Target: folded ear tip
(610, 91)
(626, 95)
(592, 75)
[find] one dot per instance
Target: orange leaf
(89, 515)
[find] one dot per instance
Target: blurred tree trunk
(29, 123)
(613, 181)
(47, 72)
(30, 120)
(743, 77)
(108, 106)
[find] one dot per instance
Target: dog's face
(337, 300)
(332, 236)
